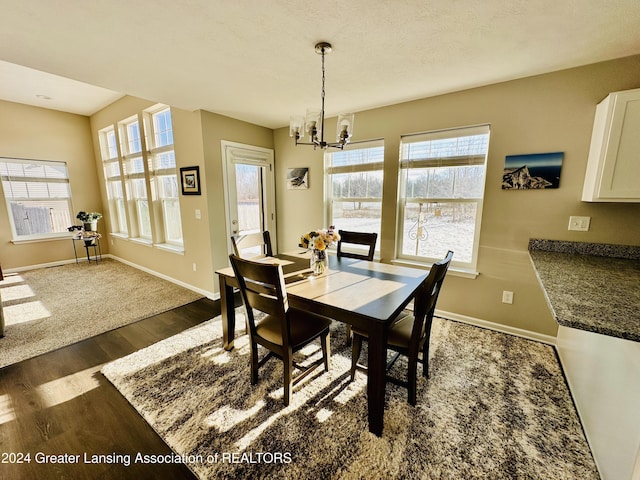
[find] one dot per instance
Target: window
(141, 179)
(354, 187)
(442, 176)
(164, 178)
(135, 175)
(38, 197)
(114, 180)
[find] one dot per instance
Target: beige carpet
(495, 407)
(49, 308)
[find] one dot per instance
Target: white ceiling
(254, 59)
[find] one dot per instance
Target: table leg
(376, 377)
(228, 313)
(75, 253)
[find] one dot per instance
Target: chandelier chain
(323, 76)
(322, 96)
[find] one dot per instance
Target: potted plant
(90, 220)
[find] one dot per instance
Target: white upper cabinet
(613, 169)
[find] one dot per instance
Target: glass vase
(318, 261)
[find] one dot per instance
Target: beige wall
(546, 113)
(42, 134)
(197, 137)
(188, 149)
(216, 128)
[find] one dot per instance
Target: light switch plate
(579, 224)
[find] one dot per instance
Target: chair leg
(254, 363)
(349, 334)
(355, 354)
(412, 380)
(425, 359)
(425, 347)
(288, 377)
(326, 351)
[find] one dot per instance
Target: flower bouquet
(318, 241)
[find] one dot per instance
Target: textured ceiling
(254, 59)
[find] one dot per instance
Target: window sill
(52, 238)
(124, 236)
(170, 248)
(142, 241)
(455, 271)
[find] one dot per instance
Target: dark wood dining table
(367, 295)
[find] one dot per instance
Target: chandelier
(313, 123)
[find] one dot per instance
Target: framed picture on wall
(532, 171)
(190, 180)
(298, 178)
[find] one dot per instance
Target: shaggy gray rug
(49, 308)
(496, 406)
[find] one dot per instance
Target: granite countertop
(593, 287)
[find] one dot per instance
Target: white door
(249, 190)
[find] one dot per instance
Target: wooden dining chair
(252, 245)
(359, 239)
(410, 332)
(284, 330)
(348, 238)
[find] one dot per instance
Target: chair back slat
(243, 243)
(357, 238)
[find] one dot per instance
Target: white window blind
(38, 196)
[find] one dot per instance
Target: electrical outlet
(198, 214)
(579, 224)
(194, 266)
(507, 297)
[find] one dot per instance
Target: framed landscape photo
(532, 171)
(190, 180)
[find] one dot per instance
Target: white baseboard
(210, 295)
(41, 265)
(498, 327)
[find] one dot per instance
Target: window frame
(111, 156)
(156, 174)
(330, 169)
(146, 207)
(132, 152)
(6, 178)
(471, 159)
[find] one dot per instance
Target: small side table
(91, 240)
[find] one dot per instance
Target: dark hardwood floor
(60, 404)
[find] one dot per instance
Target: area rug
(495, 406)
(49, 308)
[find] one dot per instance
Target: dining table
(364, 294)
